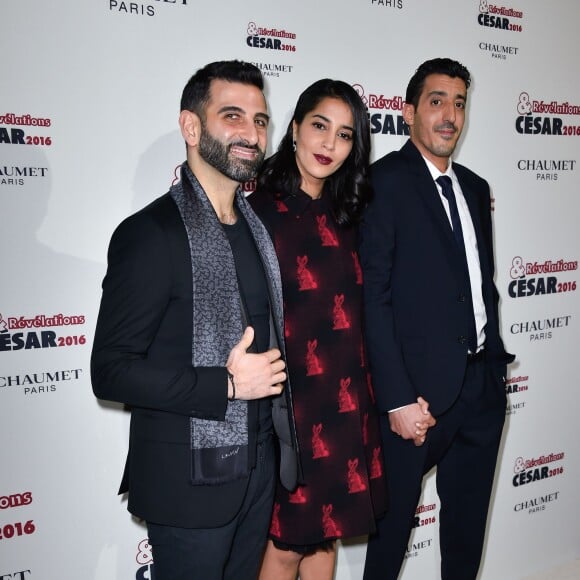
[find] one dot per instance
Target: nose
(450, 112)
(329, 141)
(249, 132)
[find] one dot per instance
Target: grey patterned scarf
(219, 448)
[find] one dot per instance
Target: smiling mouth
(323, 160)
(447, 133)
(244, 152)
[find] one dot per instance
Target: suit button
(461, 298)
(462, 340)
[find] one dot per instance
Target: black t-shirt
(255, 300)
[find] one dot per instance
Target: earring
(294, 145)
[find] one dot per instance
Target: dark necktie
(447, 189)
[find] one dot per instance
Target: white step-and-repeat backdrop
(89, 95)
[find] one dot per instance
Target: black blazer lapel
(474, 203)
(426, 190)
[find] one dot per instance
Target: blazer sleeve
(494, 343)
(377, 248)
(137, 291)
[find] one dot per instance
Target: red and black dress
(344, 486)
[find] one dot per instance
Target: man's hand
(412, 421)
(255, 375)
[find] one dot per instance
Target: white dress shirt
(471, 250)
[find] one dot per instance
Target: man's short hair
(195, 95)
(436, 66)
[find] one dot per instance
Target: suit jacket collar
(474, 201)
(422, 182)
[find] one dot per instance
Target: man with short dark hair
(189, 336)
(437, 360)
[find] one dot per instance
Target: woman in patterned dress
(310, 195)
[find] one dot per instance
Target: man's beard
(217, 154)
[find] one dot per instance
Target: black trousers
(464, 446)
(231, 551)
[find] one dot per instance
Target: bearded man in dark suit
(189, 335)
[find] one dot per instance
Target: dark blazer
(416, 312)
(142, 358)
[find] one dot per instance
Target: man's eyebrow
(444, 94)
(263, 116)
(236, 109)
(231, 109)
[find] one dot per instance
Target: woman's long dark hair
(348, 188)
